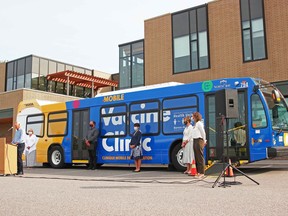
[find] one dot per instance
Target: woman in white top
(199, 143)
(30, 149)
(187, 145)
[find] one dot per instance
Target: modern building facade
(26, 78)
(31, 72)
(223, 38)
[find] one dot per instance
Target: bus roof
(141, 88)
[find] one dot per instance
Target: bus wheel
(56, 157)
(176, 158)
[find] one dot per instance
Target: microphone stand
(227, 165)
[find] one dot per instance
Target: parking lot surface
(116, 190)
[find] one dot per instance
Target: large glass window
(57, 123)
(31, 72)
(60, 67)
(20, 73)
(131, 64)
(113, 121)
(253, 30)
(190, 40)
(43, 74)
(52, 67)
(10, 76)
(28, 72)
(147, 115)
(174, 110)
(36, 123)
(137, 64)
(259, 119)
(35, 73)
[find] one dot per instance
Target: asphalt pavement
(116, 190)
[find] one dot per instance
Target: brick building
(224, 38)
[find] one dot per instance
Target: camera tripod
(227, 165)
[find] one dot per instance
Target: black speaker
(226, 101)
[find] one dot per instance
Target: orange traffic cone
(229, 170)
(193, 169)
(230, 173)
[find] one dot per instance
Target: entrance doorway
(216, 140)
(80, 127)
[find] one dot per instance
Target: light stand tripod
(227, 165)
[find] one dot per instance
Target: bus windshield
(277, 109)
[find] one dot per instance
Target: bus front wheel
(176, 158)
(56, 157)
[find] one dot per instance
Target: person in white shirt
(30, 148)
(199, 143)
(187, 145)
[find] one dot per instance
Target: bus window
(259, 119)
(36, 123)
(147, 115)
(277, 111)
(113, 121)
(57, 123)
(174, 110)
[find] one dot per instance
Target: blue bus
(160, 110)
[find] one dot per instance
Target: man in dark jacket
(91, 144)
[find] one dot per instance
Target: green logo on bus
(207, 86)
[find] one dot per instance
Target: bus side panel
(67, 142)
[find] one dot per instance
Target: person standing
(19, 140)
(199, 143)
(91, 144)
(30, 149)
(135, 145)
(187, 145)
(239, 138)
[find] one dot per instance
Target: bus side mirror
(256, 88)
(276, 96)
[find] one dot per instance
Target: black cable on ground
(119, 180)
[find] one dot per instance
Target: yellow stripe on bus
(80, 161)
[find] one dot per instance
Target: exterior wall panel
(2, 76)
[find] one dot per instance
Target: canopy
(82, 80)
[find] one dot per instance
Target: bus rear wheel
(56, 157)
(176, 158)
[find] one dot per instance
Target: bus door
(80, 127)
(260, 134)
(237, 131)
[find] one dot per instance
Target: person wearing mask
(239, 138)
(136, 148)
(30, 149)
(19, 140)
(187, 145)
(91, 144)
(199, 143)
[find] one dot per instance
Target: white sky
(80, 32)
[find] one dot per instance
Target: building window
(18, 74)
(190, 40)
(253, 30)
(31, 72)
(131, 64)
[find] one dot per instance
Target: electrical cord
(194, 181)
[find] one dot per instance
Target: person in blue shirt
(19, 140)
(135, 145)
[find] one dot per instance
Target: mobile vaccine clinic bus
(160, 109)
